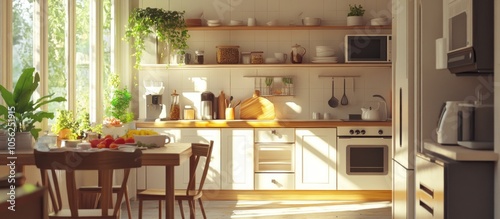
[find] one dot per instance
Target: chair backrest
(70, 161)
(200, 150)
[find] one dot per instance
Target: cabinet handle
(427, 190)
(426, 207)
(274, 132)
(273, 181)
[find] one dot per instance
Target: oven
(363, 158)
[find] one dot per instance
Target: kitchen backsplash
(312, 92)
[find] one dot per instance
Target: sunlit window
(22, 36)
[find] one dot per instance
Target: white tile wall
(311, 91)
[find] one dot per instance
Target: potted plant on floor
(163, 26)
(355, 15)
(21, 112)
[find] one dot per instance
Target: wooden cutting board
(257, 107)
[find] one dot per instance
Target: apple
(119, 141)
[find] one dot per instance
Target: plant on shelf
(21, 112)
(355, 15)
(167, 26)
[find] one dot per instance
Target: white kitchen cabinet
(237, 172)
(316, 153)
(155, 176)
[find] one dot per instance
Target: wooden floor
(276, 209)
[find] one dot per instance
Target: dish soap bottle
(175, 110)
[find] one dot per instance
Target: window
(78, 54)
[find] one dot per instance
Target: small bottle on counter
(188, 112)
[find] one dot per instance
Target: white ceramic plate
(324, 62)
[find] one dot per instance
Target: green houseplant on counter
(20, 112)
(166, 26)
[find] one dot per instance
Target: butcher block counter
(257, 123)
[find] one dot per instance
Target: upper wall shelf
(204, 66)
(387, 27)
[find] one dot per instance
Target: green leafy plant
(21, 112)
(64, 120)
(119, 100)
(356, 10)
(168, 26)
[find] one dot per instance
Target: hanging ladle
(344, 101)
(333, 102)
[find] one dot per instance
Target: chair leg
(202, 209)
(191, 209)
(159, 209)
(180, 208)
(140, 208)
(127, 201)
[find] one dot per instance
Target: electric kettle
(370, 113)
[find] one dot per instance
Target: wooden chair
(70, 162)
(199, 150)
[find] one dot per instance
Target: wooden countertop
(257, 123)
(459, 153)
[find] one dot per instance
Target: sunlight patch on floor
(298, 207)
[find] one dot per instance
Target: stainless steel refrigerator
(419, 91)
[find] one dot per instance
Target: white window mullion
(70, 54)
(40, 49)
(96, 62)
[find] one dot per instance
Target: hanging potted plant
(20, 112)
(160, 26)
(355, 15)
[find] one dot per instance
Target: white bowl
(213, 21)
(71, 143)
(309, 21)
(324, 48)
(158, 140)
(235, 23)
(272, 23)
(325, 54)
(272, 60)
(127, 148)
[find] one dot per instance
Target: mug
(281, 56)
(251, 21)
(316, 115)
(229, 113)
(327, 116)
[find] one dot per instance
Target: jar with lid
(245, 57)
(257, 57)
(199, 56)
(188, 112)
(228, 54)
(175, 110)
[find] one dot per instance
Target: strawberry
(113, 145)
(94, 143)
(119, 141)
(130, 140)
(108, 141)
(101, 145)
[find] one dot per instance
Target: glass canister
(228, 54)
(257, 57)
(175, 110)
(245, 57)
(188, 112)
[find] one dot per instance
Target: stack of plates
(213, 23)
(324, 60)
(324, 54)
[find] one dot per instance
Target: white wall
(312, 92)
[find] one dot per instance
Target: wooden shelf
(387, 27)
(305, 65)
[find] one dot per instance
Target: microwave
(368, 48)
(470, 36)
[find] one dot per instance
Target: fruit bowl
(151, 140)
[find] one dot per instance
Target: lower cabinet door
(274, 181)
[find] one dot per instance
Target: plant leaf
(7, 96)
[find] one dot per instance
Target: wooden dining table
(169, 156)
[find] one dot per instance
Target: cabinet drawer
(274, 181)
(274, 135)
